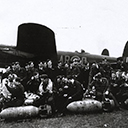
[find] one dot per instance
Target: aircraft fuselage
(8, 55)
(66, 57)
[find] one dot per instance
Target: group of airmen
(57, 86)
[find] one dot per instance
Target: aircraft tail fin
(125, 53)
(105, 52)
(38, 40)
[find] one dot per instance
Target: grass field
(115, 119)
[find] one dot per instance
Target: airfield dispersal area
(113, 119)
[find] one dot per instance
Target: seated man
(98, 86)
(45, 92)
(69, 90)
(15, 91)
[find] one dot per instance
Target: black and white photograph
(64, 63)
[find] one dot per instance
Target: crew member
(16, 89)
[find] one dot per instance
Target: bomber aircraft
(36, 42)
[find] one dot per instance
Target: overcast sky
(91, 25)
